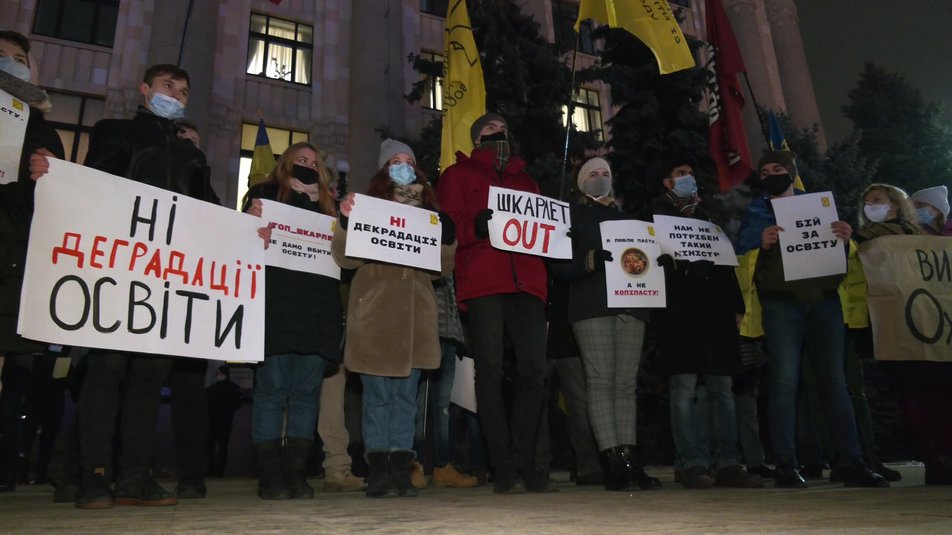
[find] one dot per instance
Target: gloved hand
(449, 229)
(481, 223)
(598, 259)
(667, 262)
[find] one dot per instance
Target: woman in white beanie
(609, 339)
(932, 210)
(392, 327)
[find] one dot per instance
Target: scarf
(411, 194)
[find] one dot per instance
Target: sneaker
(94, 493)
(506, 481)
(859, 475)
(789, 478)
(142, 490)
(191, 489)
(343, 482)
(696, 477)
(763, 471)
(736, 476)
(417, 477)
(449, 476)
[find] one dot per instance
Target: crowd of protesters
(391, 325)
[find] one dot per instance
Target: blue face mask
(925, 215)
(402, 173)
(685, 186)
(14, 68)
(166, 106)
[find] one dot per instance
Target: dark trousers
(43, 415)
(520, 441)
(17, 370)
(572, 379)
(189, 416)
(127, 385)
(218, 435)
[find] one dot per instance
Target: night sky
(910, 37)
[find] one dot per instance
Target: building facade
(334, 72)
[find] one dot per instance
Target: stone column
(794, 71)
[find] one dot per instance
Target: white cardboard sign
(395, 233)
(807, 244)
(693, 239)
(14, 114)
(300, 239)
(633, 278)
(527, 223)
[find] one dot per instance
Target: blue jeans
(433, 404)
(691, 421)
(287, 382)
(389, 411)
(788, 326)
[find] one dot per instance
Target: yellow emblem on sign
(825, 201)
(434, 219)
(17, 104)
(650, 230)
(333, 225)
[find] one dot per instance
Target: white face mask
(14, 68)
(166, 106)
(597, 185)
(876, 212)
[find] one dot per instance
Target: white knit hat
(389, 147)
(937, 196)
(588, 167)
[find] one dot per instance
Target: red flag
(726, 136)
(275, 2)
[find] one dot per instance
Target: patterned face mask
(499, 144)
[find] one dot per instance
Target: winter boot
(616, 472)
(636, 473)
(379, 483)
(297, 452)
(271, 482)
(140, 488)
(400, 461)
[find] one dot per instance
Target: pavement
(232, 506)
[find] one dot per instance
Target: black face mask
(307, 175)
(776, 184)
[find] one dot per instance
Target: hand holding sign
(39, 165)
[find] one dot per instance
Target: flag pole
(188, 18)
(757, 108)
(568, 122)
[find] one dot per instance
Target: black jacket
(146, 149)
(16, 213)
(304, 310)
(697, 330)
(588, 295)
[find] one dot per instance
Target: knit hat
(588, 167)
(389, 147)
(481, 123)
(783, 157)
(937, 196)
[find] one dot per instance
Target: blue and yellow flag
(262, 162)
(651, 22)
(464, 90)
(778, 141)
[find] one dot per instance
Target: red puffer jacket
(482, 270)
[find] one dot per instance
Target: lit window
(565, 14)
(279, 138)
(85, 21)
(433, 93)
(587, 115)
(280, 49)
(73, 117)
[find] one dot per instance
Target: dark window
(682, 3)
(85, 21)
(434, 7)
(73, 117)
(433, 95)
(564, 14)
(587, 115)
(280, 49)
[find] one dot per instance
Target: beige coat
(392, 323)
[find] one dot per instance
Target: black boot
(379, 483)
(616, 472)
(271, 482)
(297, 453)
(140, 488)
(400, 472)
(636, 473)
(857, 474)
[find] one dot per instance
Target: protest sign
(910, 296)
(808, 247)
(463, 392)
(524, 222)
(693, 239)
(633, 278)
(300, 239)
(395, 233)
(14, 114)
(114, 264)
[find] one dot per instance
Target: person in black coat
(16, 214)
(224, 398)
(698, 343)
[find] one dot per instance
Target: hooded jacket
(481, 269)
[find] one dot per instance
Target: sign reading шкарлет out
(528, 223)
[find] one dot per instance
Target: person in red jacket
(502, 291)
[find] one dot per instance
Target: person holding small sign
(502, 291)
(392, 326)
(302, 332)
(706, 299)
(797, 315)
(609, 339)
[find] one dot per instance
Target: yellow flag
(262, 161)
(651, 21)
(464, 91)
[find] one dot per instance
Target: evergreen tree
(906, 135)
